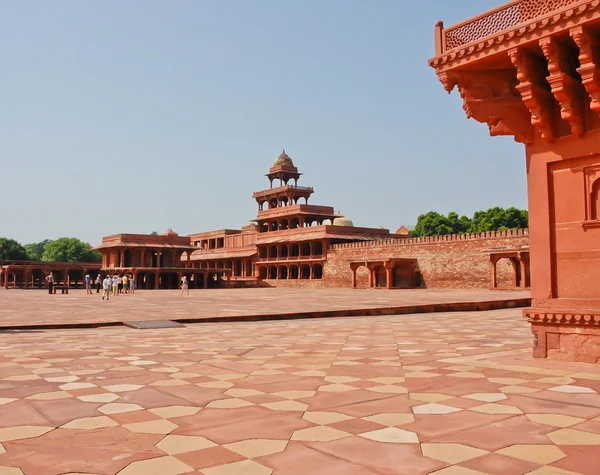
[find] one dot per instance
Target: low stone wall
(455, 261)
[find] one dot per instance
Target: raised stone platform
(36, 309)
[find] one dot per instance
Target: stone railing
(505, 17)
(433, 239)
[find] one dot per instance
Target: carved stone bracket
(534, 91)
(491, 98)
(564, 83)
(589, 58)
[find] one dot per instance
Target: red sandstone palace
(294, 243)
(530, 69)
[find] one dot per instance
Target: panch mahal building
(294, 243)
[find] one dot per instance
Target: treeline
(61, 250)
(494, 219)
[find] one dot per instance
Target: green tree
(493, 219)
(432, 224)
(70, 250)
(12, 250)
(35, 250)
(153, 233)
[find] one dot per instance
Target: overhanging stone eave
(561, 20)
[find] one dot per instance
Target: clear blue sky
(144, 115)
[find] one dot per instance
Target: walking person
(185, 285)
(125, 284)
(50, 280)
(106, 285)
(98, 283)
(115, 284)
(88, 284)
(131, 284)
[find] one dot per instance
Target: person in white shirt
(106, 284)
(115, 285)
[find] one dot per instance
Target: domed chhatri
(170, 232)
(343, 221)
(283, 159)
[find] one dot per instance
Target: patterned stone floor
(36, 307)
(444, 394)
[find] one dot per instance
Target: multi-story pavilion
(156, 261)
(290, 237)
(530, 69)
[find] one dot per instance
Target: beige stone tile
(387, 380)
(183, 375)
(253, 448)
(310, 373)
(215, 385)
(418, 368)
(493, 408)
(295, 394)
(266, 372)
(551, 471)
(519, 390)
(10, 471)
(319, 434)
(6, 400)
(62, 379)
(486, 397)
(179, 444)
(457, 470)
(2, 449)
(237, 392)
(392, 435)
(160, 426)
(336, 388)
(229, 376)
(421, 374)
(460, 368)
(232, 403)
(22, 432)
(324, 418)
(121, 388)
(572, 389)
(103, 397)
(118, 408)
(542, 454)
(175, 411)
(51, 396)
(165, 370)
(467, 375)
(573, 437)
(164, 383)
(429, 397)
(451, 453)
(390, 418)
(434, 408)
(244, 467)
(179, 364)
(73, 386)
(87, 423)
(388, 389)
(157, 466)
(556, 380)
(22, 377)
(286, 406)
(507, 381)
(556, 420)
(340, 379)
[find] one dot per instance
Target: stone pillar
(388, 275)
(493, 280)
(121, 258)
(156, 280)
(523, 264)
(205, 282)
(516, 271)
(67, 278)
(353, 269)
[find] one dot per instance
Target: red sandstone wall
(457, 261)
(445, 262)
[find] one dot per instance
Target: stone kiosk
(531, 69)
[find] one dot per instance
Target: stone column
(388, 275)
(353, 269)
(523, 264)
(156, 280)
(205, 282)
(493, 280)
(121, 258)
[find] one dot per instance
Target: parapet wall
(452, 261)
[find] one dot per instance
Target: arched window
(595, 200)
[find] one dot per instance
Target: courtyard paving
(444, 394)
(36, 307)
